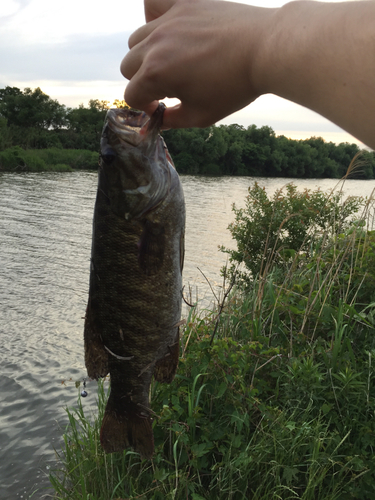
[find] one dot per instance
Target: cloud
(79, 58)
(11, 8)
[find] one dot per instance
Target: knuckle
(151, 71)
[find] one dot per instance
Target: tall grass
(274, 396)
(16, 159)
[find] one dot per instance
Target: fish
(133, 312)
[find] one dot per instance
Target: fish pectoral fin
(96, 357)
(126, 426)
(151, 248)
(166, 367)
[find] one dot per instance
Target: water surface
(45, 241)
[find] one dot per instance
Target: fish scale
(134, 307)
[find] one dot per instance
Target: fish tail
(126, 426)
(166, 367)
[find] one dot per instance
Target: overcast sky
(72, 50)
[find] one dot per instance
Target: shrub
(270, 231)
(250, 415)
(54, 159)
(12, 159)
(265, 409)
(17, 159)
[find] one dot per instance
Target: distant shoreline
(266, 162)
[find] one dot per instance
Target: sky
(72, 50)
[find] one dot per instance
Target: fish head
(135, 166)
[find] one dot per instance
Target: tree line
(253, 151)
(31, 120)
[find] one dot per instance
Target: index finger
(141, 95)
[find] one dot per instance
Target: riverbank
(274, 395)
(16, 159)
(206, 163)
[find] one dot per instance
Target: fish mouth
(127, 124)
(135, 162)
(134, 127)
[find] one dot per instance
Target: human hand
(203, 52)
(216, 57)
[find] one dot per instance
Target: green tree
(32, 120)
(32, 117)
(342, 154)
(214, 149)
(231, 162)
(31, 108)
(97, 104)
(5, 136)
(85, 125)
(270, 231)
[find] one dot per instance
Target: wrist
(297, 52)
(291, 45)
(261, 52)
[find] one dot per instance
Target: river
(45, 240)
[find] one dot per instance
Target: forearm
(322, 56)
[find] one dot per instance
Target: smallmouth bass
(134, 306)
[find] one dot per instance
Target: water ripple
(45, 242)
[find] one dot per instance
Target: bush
(17, 159)
(12, 159)
(74, 158)
(270, 231)
(53, 159)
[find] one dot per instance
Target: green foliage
(254, 151)
(74, 158)
(356, 250)
(85, 125)
(269, 231)
(37, 160)
(32, 120)
(252, 415)
(5, 139)
(17, 159)
(31, 108)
